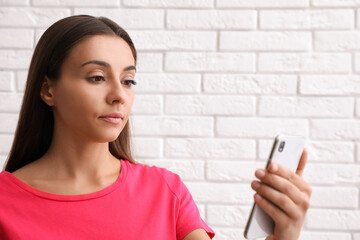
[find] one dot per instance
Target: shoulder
(151, 170)
(22, 174)
(3, 176)
(157, 175)
(7, 185)
(31, 172)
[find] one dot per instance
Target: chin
(111, 139)
(108, 138)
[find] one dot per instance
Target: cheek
(77, 102)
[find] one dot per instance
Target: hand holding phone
(287, 152)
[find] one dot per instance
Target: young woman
(70, 173)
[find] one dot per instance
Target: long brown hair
(35, 127)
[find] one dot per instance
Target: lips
(113, 115)
(114, 118)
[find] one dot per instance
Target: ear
(47, 91)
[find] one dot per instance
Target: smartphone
(286, 151)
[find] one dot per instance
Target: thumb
(302, 162)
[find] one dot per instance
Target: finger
(277, 215)
(284, 186)
(277, 198)
(302, 162)
(290, 176)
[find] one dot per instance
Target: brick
(15, 59)
(2, 161)
(357, 152)
(169, 3)
(337, 41)
(229, 233)
(306, 106)
(21, 78)
(250, 83)
(265, 147)
(210, 105)
(230, 216)
(259, 127)
(358, 107)
(8, 122)
(209, 192)
(149, 62)
(14, 2)
(187, 169)
(147, 147)
(318, 151)
(262, 3)
(335, 3)
(168, 83)
(211, 19)
(232, 171)
(210, 61)
(10, 102)
(16, 38)
(356, 236)
(38, 34)
(332, 174)
(31, 17)
(330, 84)
(70, 3)
(174, 40)
(5, 143)
(6, 81)
(210, 148)
(336, 129)
(147, 104)
(202, 210)
(331, 151)
(334, 197)
(172, 126)
(307, 19)
(305, 62)
(357, 62)
(333, 219)
(129, 18)
(307, 235)
(260, 41)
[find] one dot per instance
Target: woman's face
(95, 81)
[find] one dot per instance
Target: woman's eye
(95, 78)
(129, 82)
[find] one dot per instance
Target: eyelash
(93, 78)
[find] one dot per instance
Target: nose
(116, 93)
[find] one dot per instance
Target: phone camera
(281, 147)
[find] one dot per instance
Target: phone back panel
(260, 223)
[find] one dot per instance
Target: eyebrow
(107, 65)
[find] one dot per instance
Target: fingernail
(255, 185)
(258, 197)
(260, 173)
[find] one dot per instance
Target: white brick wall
(217, 80)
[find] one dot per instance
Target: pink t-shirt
(144, 203)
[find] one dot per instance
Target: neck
(70, 157)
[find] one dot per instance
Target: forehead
(111, 49)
